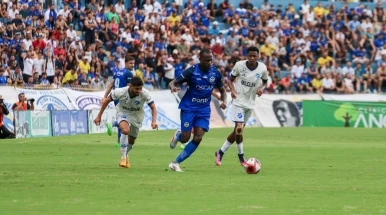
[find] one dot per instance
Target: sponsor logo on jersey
(205, 77)
(204, 87)
(257, 76)
(200, 100)
(131, 108)
(186, 124)
(90, 102)
(51, 103)
(136, 102)
(212, 79)
(248, 84)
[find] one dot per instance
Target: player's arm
(220, 87)
(109, 88)
(264, 78)
(234, 74)
(216, 95)
(105, 102)
(184, 77)
(153, 109)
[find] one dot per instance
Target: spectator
(3, 78)
(286, 84)
(23, 103)
(303, 83)
(317, 84)
(328, 84)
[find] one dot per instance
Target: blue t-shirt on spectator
(3, 80)
(178, 69)
(359, 53)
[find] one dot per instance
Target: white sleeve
(235, 71)
(118, 94)
(148, 98)
(264, 75)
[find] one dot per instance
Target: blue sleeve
(220, 80)
(128, 77)
(186, 75)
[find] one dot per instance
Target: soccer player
(121, 78)
(130, 114)
(250, 78)
(201, 78)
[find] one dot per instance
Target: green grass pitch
(304, 171)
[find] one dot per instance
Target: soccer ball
(252, 166)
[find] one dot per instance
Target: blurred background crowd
(311, 47)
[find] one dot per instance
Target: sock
(189, 149)
(115, 124)
(240, 148)
(241, 157)
(225, 146)
(178, 137)
(119, 135)
(129, 148)
(124, 144)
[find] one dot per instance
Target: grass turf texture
(304, 171)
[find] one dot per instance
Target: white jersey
(247, 83)
(132, 108)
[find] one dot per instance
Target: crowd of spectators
(313, 48)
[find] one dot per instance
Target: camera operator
(23, 103)
(4, 132)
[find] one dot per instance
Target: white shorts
(133, 130)
(240, 114)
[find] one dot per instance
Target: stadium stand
(308, 46)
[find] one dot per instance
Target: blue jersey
(122, 78)
(200, 87)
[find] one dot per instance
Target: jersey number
(116, 83)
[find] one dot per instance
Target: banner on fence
(86, 100)
(281, 110)
(32, 124)
(69, 122)
(344, 114)
(108, 116)
(55, 99)
(355, 97)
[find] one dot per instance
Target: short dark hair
(136, 81)
(129, 58)
(205, 51)
(253, 49)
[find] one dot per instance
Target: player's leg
(124, 140)
(201, 125)
(133, 134)
(227, 144)
(183, 134)
(191, 136)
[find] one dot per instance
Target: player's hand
(233, 94)
(97, 120)
(223, 106)
(259, 92)
(154, 125)
(175, 89)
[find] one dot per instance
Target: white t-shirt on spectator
(157, 6)
(349, 71)
(273, 23)
(327, 82)
(27, 43)
(119, 8)
(148, 8)
(149, 36)
(365, 25)
(64, 13)
(297, 71)
(188, 38)
(300, 41)
(306, 32)
(28, 63)
(75, 46)
(127, 36)
(12, 14)
(38, 65)
(169, 71)
(305, 8)
(348, 82)
(340, 36)
(273, 40)
(71, 34)
(310, 16)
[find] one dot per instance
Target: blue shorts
(190, 119)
